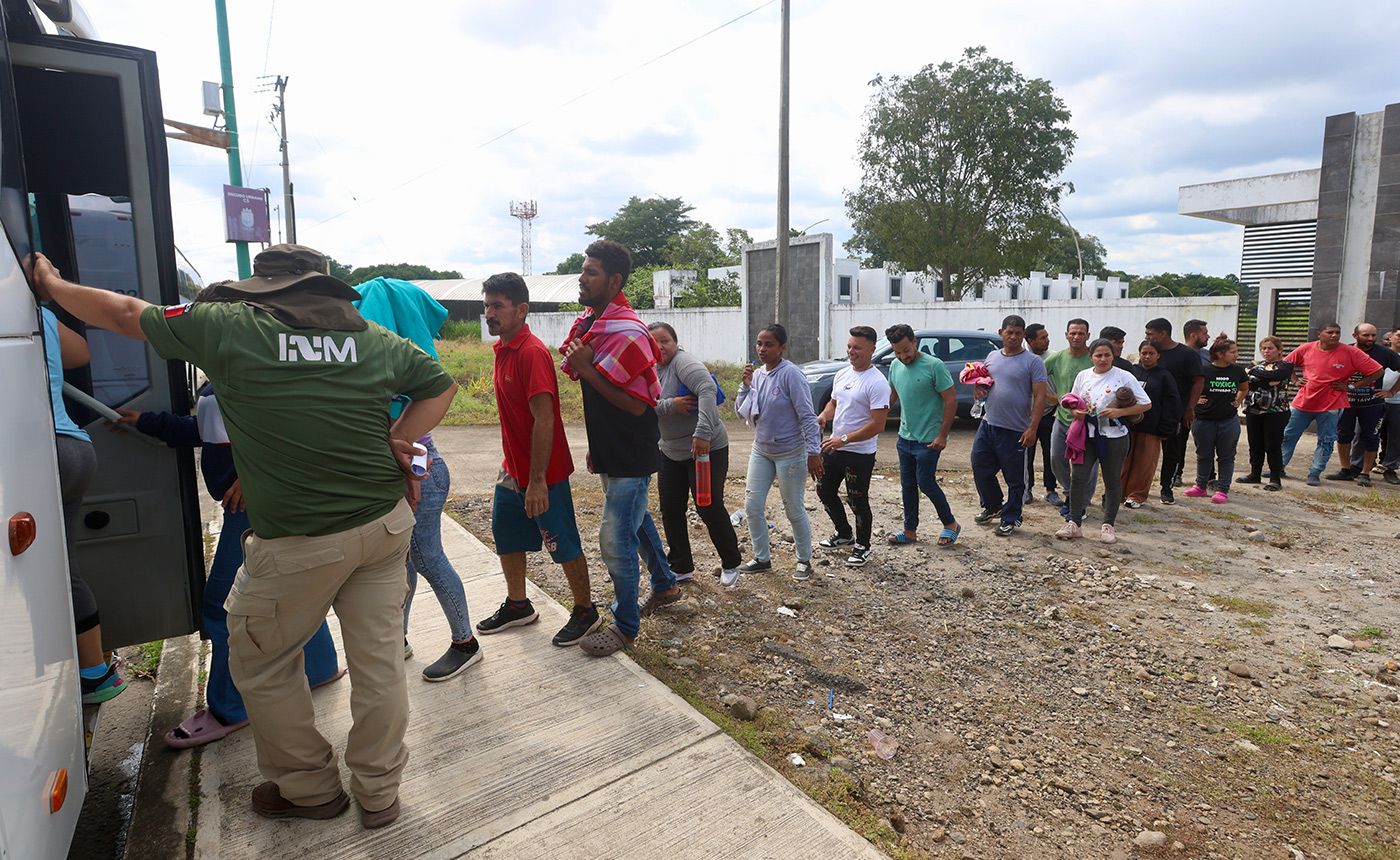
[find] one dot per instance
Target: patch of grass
(472, 362)
(1358, 846)
(842, 798)
(1372, 632)
(1258, 628)
(460, 330)
(1257, 608)
(1369, 500)
(146, 661)
(1264, 736)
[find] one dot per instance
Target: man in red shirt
(1328, 365)
(533, 507)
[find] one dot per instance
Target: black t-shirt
(1183, 364)
(1222, 387)
(1360, 395)
(621, 445)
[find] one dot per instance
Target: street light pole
(1075, 235)
(235, 168)
(784, 296)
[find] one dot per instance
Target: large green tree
(402, 271)
(645, 226)
(572, 266)
(958, 162)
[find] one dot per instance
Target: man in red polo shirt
(1328, 366)
(533, 507)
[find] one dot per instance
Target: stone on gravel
(1150, 839)
(1339, 642)
(744, 708)
(967, 591)
(1239, 670)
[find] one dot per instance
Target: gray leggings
(1081, 486)
(77, 465)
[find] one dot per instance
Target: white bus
(83, 178)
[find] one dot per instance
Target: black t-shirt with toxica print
(1222, 387)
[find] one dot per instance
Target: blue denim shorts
(554, 530)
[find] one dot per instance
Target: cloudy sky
(410, 135)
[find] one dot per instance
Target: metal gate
(1291, 317)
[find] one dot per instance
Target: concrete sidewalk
(537, 751)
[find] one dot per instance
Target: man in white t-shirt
(860, 400)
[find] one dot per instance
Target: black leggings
(675, 487)
(1265, 432)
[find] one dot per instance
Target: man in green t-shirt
(1063, 367)
(924, 388)
(304, 384)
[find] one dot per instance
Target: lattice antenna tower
(526, 211)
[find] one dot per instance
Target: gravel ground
(1221, 683)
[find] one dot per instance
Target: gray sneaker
(1053, 498)
(803, 571)
(729, 577)
(1314, 480)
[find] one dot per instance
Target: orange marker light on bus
(22, 532)
(59, 792)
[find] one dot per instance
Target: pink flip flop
(202, 728)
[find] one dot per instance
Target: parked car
(954, 347)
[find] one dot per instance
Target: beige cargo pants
(279, 598)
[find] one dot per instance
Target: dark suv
(952, 346)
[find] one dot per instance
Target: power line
(549, 111)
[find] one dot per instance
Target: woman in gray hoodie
(691, 428)
(775, 400)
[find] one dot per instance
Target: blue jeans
(626, 528)
(997, 450)
(1298, 421)
(791, 475)
(220, 694)
(425, 553)
(918, 470)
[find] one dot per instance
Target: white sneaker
(1069, 530)
(729, 576)
(1107, 535)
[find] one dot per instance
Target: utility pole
(279, 112)
(783, 303)
(235, 168)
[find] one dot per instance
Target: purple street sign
(245, 215)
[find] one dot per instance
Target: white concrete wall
(711, 334)
(1221, 313)
(718, 334)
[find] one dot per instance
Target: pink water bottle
(702, 480)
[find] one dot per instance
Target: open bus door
(93, 142)
(81, 128)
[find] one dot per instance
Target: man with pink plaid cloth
(613, 356)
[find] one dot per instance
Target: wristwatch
(845, 437)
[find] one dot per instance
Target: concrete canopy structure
(1350, 209)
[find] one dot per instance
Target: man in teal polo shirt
(928, 405)
(304, 384)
